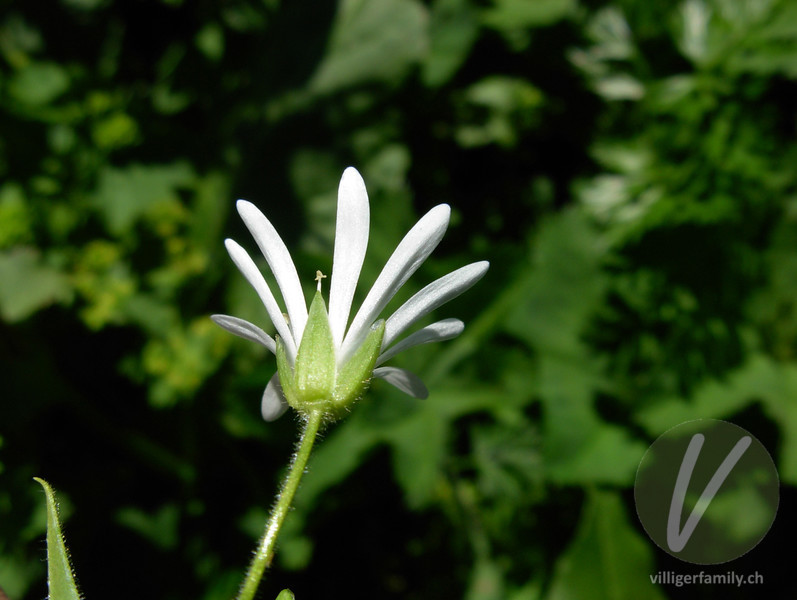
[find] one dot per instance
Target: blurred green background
(628, 167)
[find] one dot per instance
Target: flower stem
(265, 549)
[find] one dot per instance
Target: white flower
(341, 346)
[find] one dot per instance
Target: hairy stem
(265, 549)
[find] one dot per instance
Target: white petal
(246, 330)
(408, 256)
(351, 240)
(279, 259)
(436, 332)
(274, 404)
(429, 298)
(255, 278)
(407, 382)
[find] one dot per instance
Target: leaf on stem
(60, 577)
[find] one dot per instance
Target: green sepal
(314, 383)
(355, 376)
(286, 595)
(285, 372)
(315, 369)
(60, 576)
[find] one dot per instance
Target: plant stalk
(265, 549)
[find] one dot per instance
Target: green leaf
(565, 287)
(125, 195)
(503, 108)
(160, 527)
(419, 450)
(487, 582)
(17, 575)
(210, 41)
(15, 216)
(579, 446)
(28, 284)
(86, 5)
(60, 576)
(607, 559)
(286, 595)
(717, 399)
(39, 84)
(114, 131)
(522, 14)
(372, 41)
(453, 30)
(209, 211)
(760, 379)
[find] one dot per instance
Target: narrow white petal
(407, 382)
(408, 256)
(245, 329)
(255, 278)
(432, 296)
(279, 259)
(436, 332)
(274, 404)
(351, 240)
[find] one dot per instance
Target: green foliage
(607, 558)
(371, 41)
(60, 576)
(627, 166)
(28, 284)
